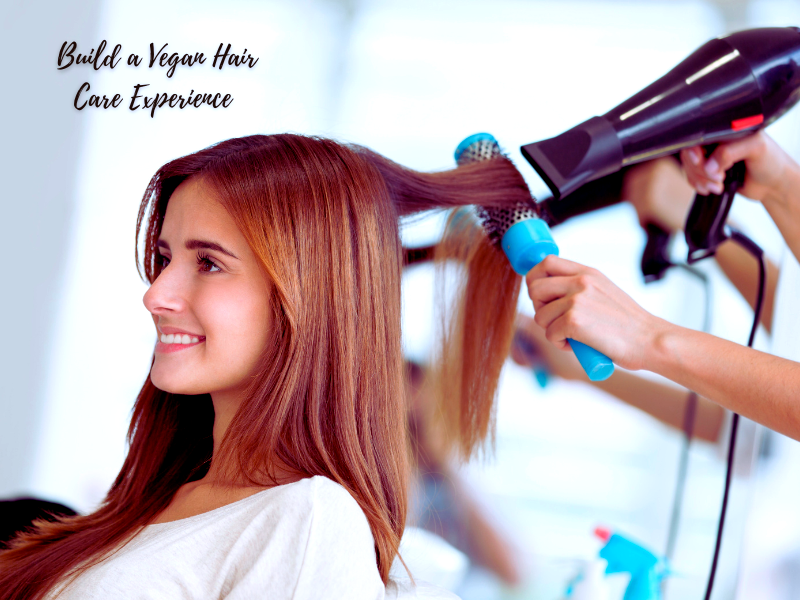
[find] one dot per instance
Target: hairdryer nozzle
(582, 154)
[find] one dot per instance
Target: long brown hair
(328, 397)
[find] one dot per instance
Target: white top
(308, 539)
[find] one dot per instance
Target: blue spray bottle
(625, 556)
(526, 240)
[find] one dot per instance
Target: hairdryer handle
(655, 258)
(705, 227)
(526, 244)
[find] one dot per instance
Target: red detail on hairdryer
(740, 124)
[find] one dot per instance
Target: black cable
(758, 253)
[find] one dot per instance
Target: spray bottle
(625, 556)
(620, 555)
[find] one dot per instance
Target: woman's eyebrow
(198, 244)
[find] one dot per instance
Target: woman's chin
(175, 385)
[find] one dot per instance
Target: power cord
(655, 262)
(753, 248)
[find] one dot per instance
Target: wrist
(785, 194)
(659, 350)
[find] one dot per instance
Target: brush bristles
(496, 221)
(484, 149)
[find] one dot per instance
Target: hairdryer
(728, 88)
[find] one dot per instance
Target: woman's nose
(167, 293)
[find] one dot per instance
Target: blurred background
(410, 80)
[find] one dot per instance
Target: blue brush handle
(526, 243)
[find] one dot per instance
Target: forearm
(742, 270)
(784, 207)
(664, 402)
(757, 385)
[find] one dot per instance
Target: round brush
(526, 240)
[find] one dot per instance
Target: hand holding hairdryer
(727, 89)
(767, 168)
(662, 196)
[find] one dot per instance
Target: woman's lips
(172, 339)
(162, 347)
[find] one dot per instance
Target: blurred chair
(18, 514)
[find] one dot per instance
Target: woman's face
(210, 304)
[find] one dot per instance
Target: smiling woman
(210, 304)
(268, 447)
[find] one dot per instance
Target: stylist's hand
(578, 302)
(659, 192)
(766, 162)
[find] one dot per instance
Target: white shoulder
(341, 537)
(329, 497)
(338, 519)
(328, 488)
(339, 556)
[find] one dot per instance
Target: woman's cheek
(236, 323)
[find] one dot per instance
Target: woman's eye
(162, 261)
(206, 264)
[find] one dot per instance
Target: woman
(268, 445)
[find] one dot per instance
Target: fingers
(554, 266)
(571, 302)
(551, 311)
(556, 332)
(555, 320)
(581, 303)
(694, 164)
(707, 174)
(545, 290)
(555, 295)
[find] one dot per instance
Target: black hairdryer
(728, 88)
